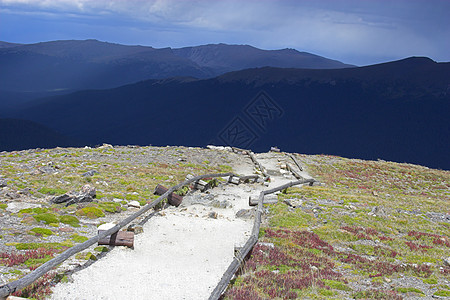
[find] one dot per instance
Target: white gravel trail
(182, 253)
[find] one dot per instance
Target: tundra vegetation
(34, 234)
(375, 230)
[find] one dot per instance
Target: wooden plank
(295, 161)
(119, 238)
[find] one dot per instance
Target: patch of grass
(405, 290)
(78, 238)
(52, 191)
(70, 220)
(90, 212)
(430, 280)
(42, 231)
(30, 246)
(336, 285)
(47, 218)
(442, 293)
(111, 207)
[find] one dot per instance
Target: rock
(89, 190)
(446, 261)
(213, 215)
(387, 279)
(269, 245)
(379, 211)
(245, 213)
(105, 146)
(137, 229)
(375, 193)
(15, 207)
(134, 203)
(90, 173)
(3, 182)
(12, 195)
(294, 202)
(106, 226)
(69, 199)
(314, 268)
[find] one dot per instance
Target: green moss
(48, 218)
(30, 246)
(90, 212)
(409, 290)
(101, 249)
(282, 217)
(430, 280)
(336, 285)
(111, 207)
(442, 293)
(326, 293)
(70, 220)
(3, 206)
(52, 191)
(36, 262)
(42, 231)
(78, 238)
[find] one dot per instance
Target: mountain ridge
(355, 112)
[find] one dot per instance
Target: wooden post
(253, 201)
(119, 238)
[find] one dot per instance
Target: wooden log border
(256, 162)
(251, 242)
(11, 287)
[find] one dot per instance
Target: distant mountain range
(75, 65)
(394, 111)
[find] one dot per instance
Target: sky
(359, 32)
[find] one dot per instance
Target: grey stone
(246, 213)
(89, 190)
(446, 261)
(15, 207)
(90, 173)
(3, 182)
(213, 215)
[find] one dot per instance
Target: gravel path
(183, 252)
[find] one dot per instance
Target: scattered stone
(314, 268)
(90, 173)
(379, 211)
(446, 261)
(341, 201)
(3, 182)
(137, 229)
(375, 193)
(245, 213)
(270, 245)
(274, 149)
(12, 195)
(387, 279)
(66, 229)
(213, 215)
(294, 202)
(134, 203)
(29, 220)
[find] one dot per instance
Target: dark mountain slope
(74, 65)
(225, 58)
(22, 134)
(390, 111)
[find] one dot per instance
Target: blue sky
(360, 32)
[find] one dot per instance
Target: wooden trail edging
(253, 158)
(242, 253)
(11, 287)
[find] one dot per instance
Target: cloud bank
(359, 32)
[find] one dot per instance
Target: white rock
(15, 207)
(134, 203)
(106, 226)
